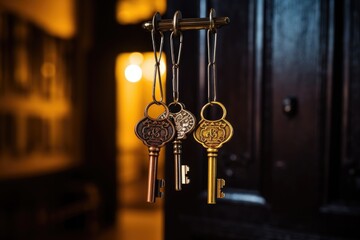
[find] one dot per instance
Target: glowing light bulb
(133, 73)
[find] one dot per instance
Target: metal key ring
(211, 103)
(166, 112)
(182, 106)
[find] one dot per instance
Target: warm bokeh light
(149, 65)
(132, 157)
(136, 58)
(136, 11)
(162, 67)
(55, 17)
(133, 73)
(132, 98)
(48, 69)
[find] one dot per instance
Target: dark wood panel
(349, 189)
(235, 89)
(295, 63)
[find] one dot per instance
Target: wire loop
(157, 57)
(211, 51)
(176, 60)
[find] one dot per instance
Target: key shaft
(153, 188)
(177, 159)
(212, 156)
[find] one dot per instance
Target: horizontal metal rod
(187, 24)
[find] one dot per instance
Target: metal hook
(211, 20)
(155, 20)
(176, 24)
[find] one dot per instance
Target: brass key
(155, 133)
(185, 123)
(212, 134)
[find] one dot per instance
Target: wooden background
(303, 165)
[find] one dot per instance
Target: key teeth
(220, 185)
(184, 178)
(160, 183)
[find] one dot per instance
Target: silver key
(185, 123)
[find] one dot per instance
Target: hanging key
(212, 134)
(185, 123)
(184, 120)
(155, 133)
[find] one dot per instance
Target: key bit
(184, 178)
(160, 184)
(220, 185)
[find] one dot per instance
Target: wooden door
(287, 73)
